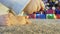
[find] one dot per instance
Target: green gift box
(50, 16)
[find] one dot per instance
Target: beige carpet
(37, 27)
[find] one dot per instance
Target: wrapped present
(50, 16)
(50, 11)
(41, 16)
(57, 16)
(57, 11)
(32, 16)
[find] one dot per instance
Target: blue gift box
(57, 11)
(41, 16)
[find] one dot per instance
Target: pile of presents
(52, 11)
(47, 14)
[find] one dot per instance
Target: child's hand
(34, 6)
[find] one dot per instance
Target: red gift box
(32, 16)
(58, 16)
(50, 11)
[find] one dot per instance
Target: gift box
(50, 16)
(32, 16)
(50, 11)
(57, 11)
(40, 16)
(57, 16)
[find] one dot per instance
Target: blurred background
(51, 11)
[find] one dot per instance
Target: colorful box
(57, 11)
(32, 16)
(50, 16)
(50, 11)
(40, 16)
(57, 16)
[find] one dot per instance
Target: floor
(38, 26)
